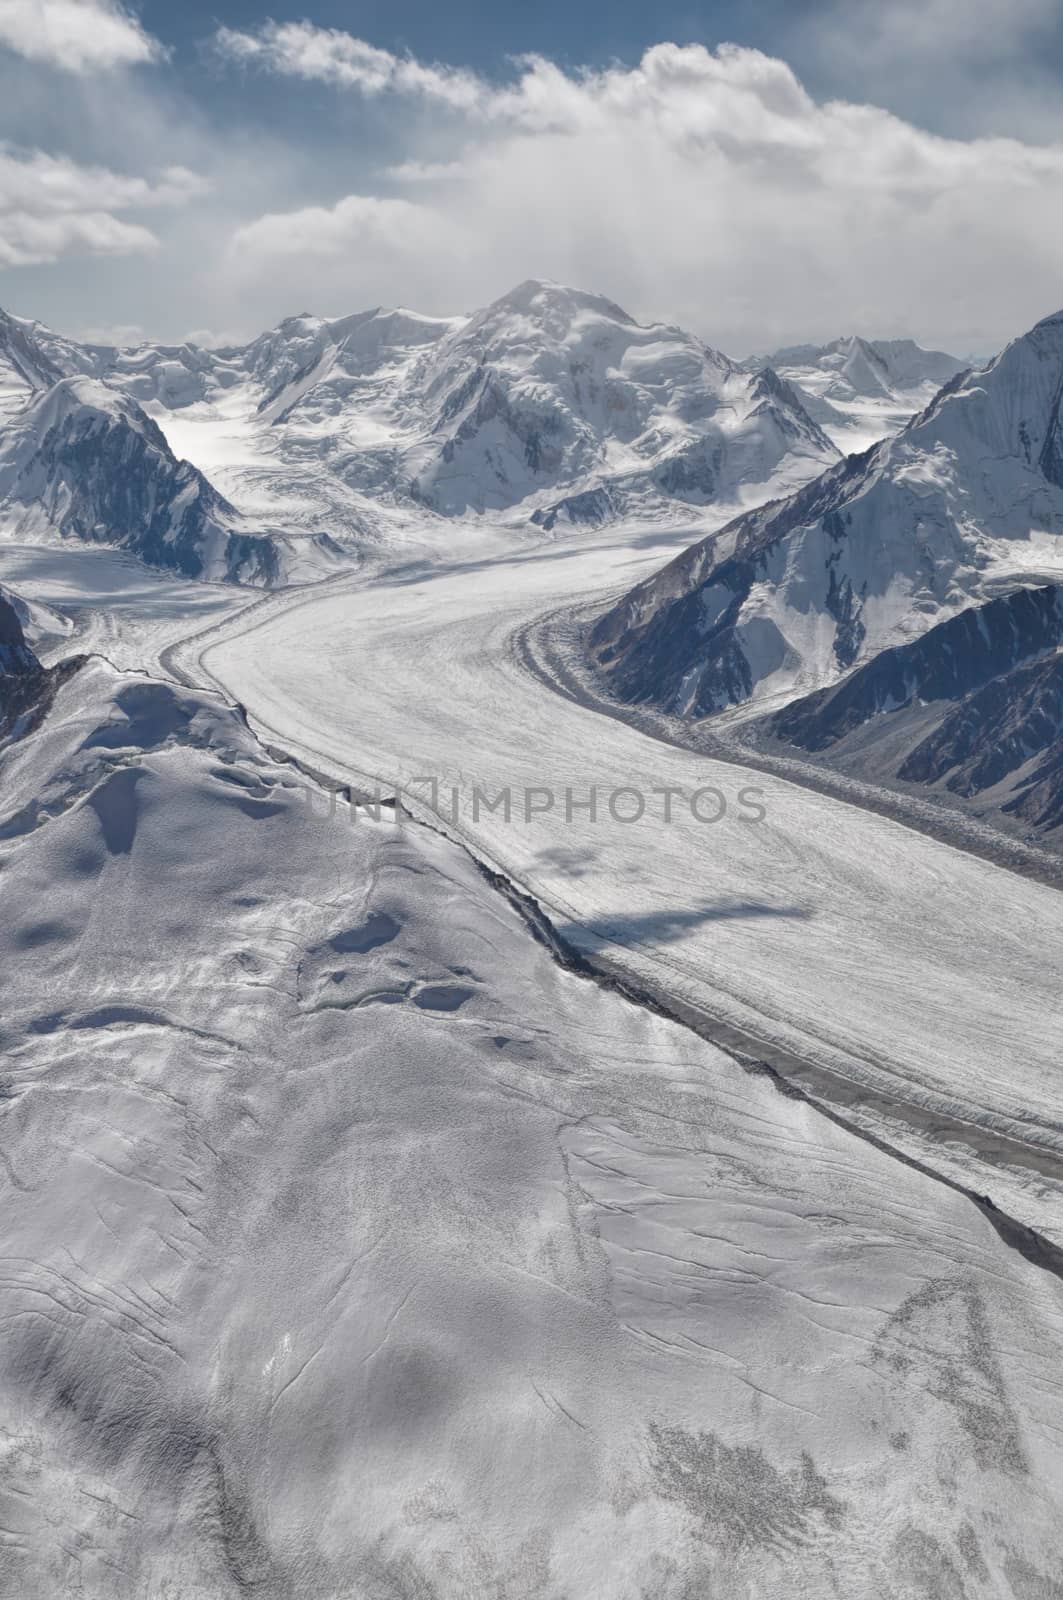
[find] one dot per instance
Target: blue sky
(892, 166)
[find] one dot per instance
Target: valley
(546, 1182)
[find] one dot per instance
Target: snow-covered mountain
(25, 365)
(551, 390)
(974, 706)
(860, 390)
(964, 506)
(873, 368)
(83, 459)
(550, 406)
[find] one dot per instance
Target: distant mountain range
(858, 389)
(551, 407)
(900, 613)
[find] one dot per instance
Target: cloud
(51, 207)
(75, 35)
(28, 240)
(301, 50)
(329, 244)
(708, 186)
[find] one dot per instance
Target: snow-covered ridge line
(84, 459)
(551, 408)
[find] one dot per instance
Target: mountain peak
(544, 300)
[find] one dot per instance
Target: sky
(762, 173)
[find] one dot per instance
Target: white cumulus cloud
(75, 35)
(362, 240)
(301, 50)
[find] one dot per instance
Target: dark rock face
(1012, 729)
(25, 355)
(692, 473)
(844, 606)
(671, 641)
(950, 662)
(989, 682)
(26, 688)
(652, 664)
(789, 407)
(1051, 458)
(591, 509)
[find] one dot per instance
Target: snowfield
(922, 981)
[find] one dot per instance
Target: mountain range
(550, 408)
(451, 1199)
(860, 389)
(870, 610)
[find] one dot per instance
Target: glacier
(410, 1200)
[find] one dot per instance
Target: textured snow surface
(924, 980)
(351, 1247)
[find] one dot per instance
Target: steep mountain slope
(965, 504)
(25, 366)
(316, 1166)
(551, 389)
(974, 706)
(83, 460)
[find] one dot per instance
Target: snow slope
(80, 459)
(352, 1247)
(25, 368)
